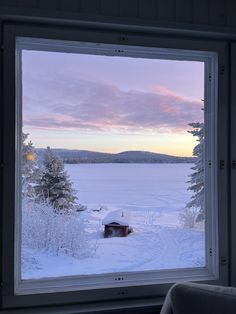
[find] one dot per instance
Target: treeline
(83, 156)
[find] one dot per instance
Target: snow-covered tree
(29, 167)
(54, 185)
(197, 176)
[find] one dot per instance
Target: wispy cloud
(69, 103)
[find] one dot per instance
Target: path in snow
(150, 247)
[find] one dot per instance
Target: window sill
(134, 306)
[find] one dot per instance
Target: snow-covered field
(153, 194)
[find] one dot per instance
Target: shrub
(62, 233)
(188, 217)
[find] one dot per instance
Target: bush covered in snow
(44, 229)
(188, 217)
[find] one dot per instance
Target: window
(108, 192)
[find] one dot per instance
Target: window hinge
(122, 293)
(222, 70)
(122, 38)
(222, 164)
(233, 164)
(209, 77)
(119, 51)
(223, 260)
(209, 163)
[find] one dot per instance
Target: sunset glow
(111, 104)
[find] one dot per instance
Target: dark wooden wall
(212, 15)
(193, 12)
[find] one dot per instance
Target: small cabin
(116, 224)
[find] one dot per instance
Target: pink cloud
(83, 104)
(162, 90)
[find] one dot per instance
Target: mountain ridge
(74, 156)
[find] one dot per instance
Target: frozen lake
(159, 187)
(154, 195)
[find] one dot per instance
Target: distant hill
(85, 156)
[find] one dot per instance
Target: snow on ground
(153, 194)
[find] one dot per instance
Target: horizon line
(100, 152)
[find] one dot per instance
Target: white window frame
(135, 284)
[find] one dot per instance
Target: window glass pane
(112, 164)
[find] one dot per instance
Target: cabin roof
(117, 216)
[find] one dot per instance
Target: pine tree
(29, 167)
(197, 176)
(54, 185)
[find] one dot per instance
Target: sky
(111, 104)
